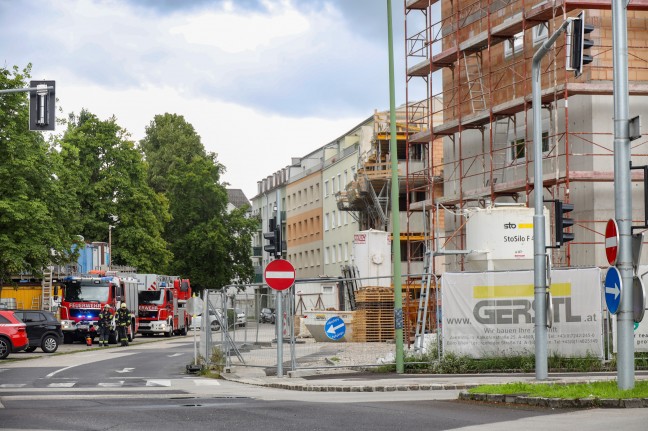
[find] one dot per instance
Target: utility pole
(539, 242)
(396, 254)
(623, 194)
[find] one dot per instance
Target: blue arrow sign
(613, 289)
(335, 328)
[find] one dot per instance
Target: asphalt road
(145, 387)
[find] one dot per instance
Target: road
(145, 387)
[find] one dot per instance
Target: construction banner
(491, 313)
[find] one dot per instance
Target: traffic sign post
(613, 289)
(611, 241)
(335, 328)
(279, 274)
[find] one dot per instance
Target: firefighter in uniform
(123, 321)
(105, 323)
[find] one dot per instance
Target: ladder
(474, 77)
(350, 274)
(46, 289)
(421, 314)
(501, 148)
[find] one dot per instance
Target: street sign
(613, 289)
(335, 328)
(279, 274)
(611, 241)
(638, 299)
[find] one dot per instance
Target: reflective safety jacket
(123, 317)
(105, 318)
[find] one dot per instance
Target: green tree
(109, 177)
(38, 220)
(210, 245)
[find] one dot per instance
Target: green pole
(396, 254)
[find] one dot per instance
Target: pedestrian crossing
(159, 383)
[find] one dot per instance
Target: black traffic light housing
(562, 223)
(42, 105)
(274, 246)
(578, 56)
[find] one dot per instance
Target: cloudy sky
(260, 80)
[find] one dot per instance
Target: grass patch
(601, 390)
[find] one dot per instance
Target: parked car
(43, 330)
(13, 333)
(267, 315)
(241, 317)
(196, 322)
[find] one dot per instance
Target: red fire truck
(83, 297)
(162, 307)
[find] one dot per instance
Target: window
(326, 256)
(339, 218)
(327, 290)
(332, 184)
(326, 189)
(346, 251)
(545, 142)
(326, 216)
(540, 33)
(517, 149)
(346, 177)
(312, 195)
(340, 187)
(317, 191)
(514, 45)
(333, 220)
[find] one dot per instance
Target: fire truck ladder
(421, 314)
(46, 286)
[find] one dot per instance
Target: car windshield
(151, 297)
(87, 292)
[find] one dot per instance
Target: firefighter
(123, 321)
(105, 323)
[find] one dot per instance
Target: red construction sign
(611, 241)
(279, 274)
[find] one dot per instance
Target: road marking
(50, 375)
(206, 382)
(111, 384)
(175, 354)
(61, 385)
(1, 405)
(125, 370)
(12, 385)
(163, 383)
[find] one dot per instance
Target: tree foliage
(109, 177)
(210, 245)
(37, 212)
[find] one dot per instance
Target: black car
(267, 315)
(43, 330)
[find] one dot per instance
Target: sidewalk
(350, 381)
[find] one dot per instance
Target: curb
(557, 403)
(359, 388)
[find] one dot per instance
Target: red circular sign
(611, 241)
(279, 274)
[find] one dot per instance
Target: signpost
(613, 289)
(194, 306)
(611, 241)
(335, 328)
(279, 275)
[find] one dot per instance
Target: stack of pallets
(373, 320)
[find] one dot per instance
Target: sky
(261, 81)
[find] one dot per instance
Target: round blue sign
(335, 328)
(613, 289)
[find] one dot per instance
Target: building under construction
(468, 91)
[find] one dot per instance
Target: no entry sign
(279, 274)
(611, 241)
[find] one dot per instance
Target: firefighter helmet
(123, 305)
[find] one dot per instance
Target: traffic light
(42, 109)
(563, 223)
(271, 236)
(578, 55)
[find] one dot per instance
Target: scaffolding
(468, 88)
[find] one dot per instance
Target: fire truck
(163, 305)
(83, 297)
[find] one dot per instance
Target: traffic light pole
(539, 242)
(622, 194)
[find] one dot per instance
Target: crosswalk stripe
(206, 382)
(12, 385)
(164, 383)
(111, 384)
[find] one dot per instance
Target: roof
(237, 198)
